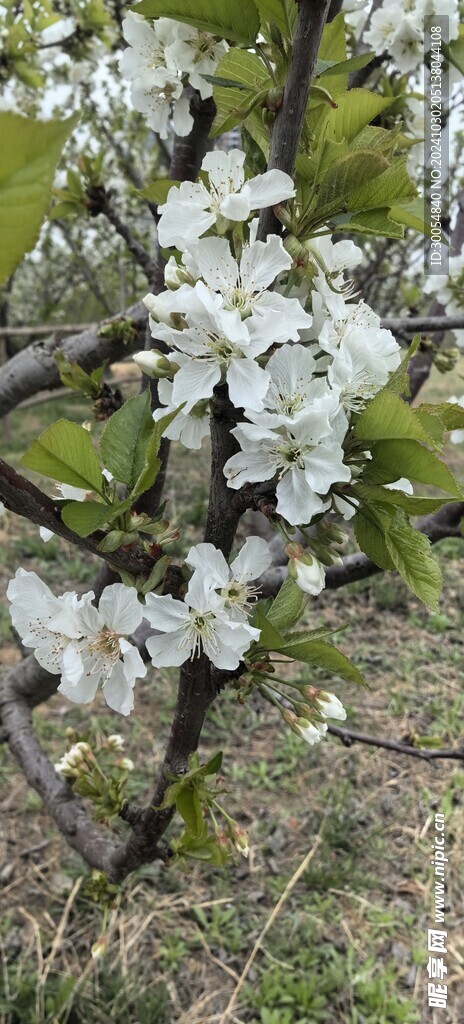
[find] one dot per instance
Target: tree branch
(99, 202)
(413, 324)
(35, 368)
(348, 737)
(24, 498)
(312, 16)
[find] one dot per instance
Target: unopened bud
(99, 947)
(154, 364)
(115, 742)
(307, 571)
(126, 764)
(240, 838)
(330, 706)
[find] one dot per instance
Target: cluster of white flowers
(85, 645)
(398, 28)
(160, 61)
(449, 291)
(323, 705)
(299, 358)
(88, 645)
(213, 618)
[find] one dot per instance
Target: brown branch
(312, 16)
(99, 201)
(348, 737)
(413, 324)
(24, 498)
(35, 368)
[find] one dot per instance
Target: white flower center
(359, 390)
(288, 403)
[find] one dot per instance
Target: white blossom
(84, 645)
(199, 624)
(190, 425)
(191, 208)
(362, 364)
(303, 455)
(244, 286)
(102, 654)
(330, 706)
(308, 573)
(232, 583)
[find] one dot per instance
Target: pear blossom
(362, 364)
(44, 622)
(73, 639)
(197, 53)
(102, 654)
(310, 732)
(218, 346)
(157, 62)
(199, 624)
(233, 583)
(190, 425)
(244, 286)
(303, 455)
(69, 765)
(191, 208)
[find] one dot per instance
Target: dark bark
(348, 737)
(312, 16)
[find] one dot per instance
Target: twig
(312, 16)
(100, 201)
(43, 329)
(348, 737)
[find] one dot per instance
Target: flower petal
(120, 608)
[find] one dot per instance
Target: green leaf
(225, 18)
(369, 528)
(330, 69)
(371, 222)
(317, 652)
(346, 175)
(398, 383)
(388, 417)
(151, 464)
(213, 765)
(270, 637)
(392, 185)
(231, 105)
(124, 441)
(86, 516)
(356, 109)
(412, 216)
(29, 154)
(278, 12)
(65, 452)
(287, 606)
(407, 458)
(157, 191)
(411, 555)
(189, 807)
(413, 505)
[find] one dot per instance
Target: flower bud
(115, 742)
(175, 276)
(308, 573)
(240, 838)
(330, 706)
(154, 364)
(126, 764)
(160, 309)
(98, 949)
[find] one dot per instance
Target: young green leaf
(411, 555)
(387, 417)
(189, 807)
(224, 18)
(29, 153)
(232, 105)
(287, 607)
(86, 516)
(65, 452)
(157, 191)
(317, 652)
(407, 458)
(124, 442)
